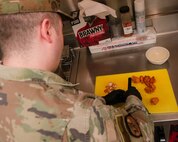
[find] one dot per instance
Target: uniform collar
(25, 74)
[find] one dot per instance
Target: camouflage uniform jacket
(38, 106)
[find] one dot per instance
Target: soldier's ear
(46, 30)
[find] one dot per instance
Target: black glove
(115, 96)
(133, 91)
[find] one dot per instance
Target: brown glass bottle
(126, 21)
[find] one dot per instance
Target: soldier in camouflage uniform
(37, 105)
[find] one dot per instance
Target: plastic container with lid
(126, 21)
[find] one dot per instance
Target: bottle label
(127, 28)
(140, 22)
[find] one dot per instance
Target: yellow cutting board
(167, 101)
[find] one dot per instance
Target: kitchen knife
(129, 83)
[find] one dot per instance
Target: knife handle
(129, 83)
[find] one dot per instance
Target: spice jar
(126, 21)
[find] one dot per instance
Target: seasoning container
(115, 27)
(140, 15)
(126, 21)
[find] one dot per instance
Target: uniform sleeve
(135, 107)
(92, 121)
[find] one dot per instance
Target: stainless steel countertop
(124, 61)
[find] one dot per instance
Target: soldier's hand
(133, 91)
(115, 97)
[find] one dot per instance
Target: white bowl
(157, 55)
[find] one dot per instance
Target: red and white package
(90, 30)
